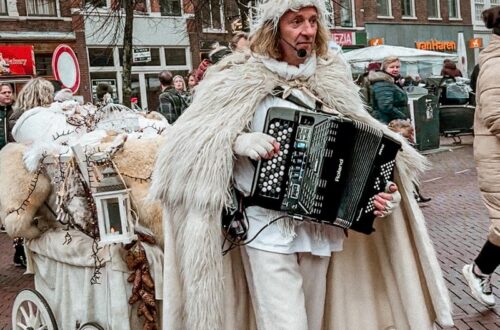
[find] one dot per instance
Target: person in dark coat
(389, 100)
(473, 78)
(5, 113)
(172, 104)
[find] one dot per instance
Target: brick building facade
(417, 24)
(43, 25)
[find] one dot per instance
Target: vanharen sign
(436, 45)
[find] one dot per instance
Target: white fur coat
(389, 278)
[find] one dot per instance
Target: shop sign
(436, 45)
(17, 60)
(141, 55)
(344, 38)
(376, 41)
(476, 43)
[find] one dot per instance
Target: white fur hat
(272, 10)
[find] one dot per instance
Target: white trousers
(287, 290)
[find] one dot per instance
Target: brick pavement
(456, 219)
(458, 224)
(12, 281)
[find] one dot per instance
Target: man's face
(5, 95)
(298, 28)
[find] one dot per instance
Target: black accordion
(328, 169)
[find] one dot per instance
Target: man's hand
(386, 202)
(256, 146)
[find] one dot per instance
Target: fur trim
(374, 76)
(272, 10)
(194, 167)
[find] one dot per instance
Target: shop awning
(405, 54)
(31, 35)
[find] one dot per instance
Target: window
(154, 54)
(3, 7)
(407, 8)
(41, 7)
(481, 5)
(170, 7)
(43, 64)
(101, 57)
(433, 9)
(212, 16)
(109, 78)
(346, 13)
(453, 9)
(175, 56)
(384, 8)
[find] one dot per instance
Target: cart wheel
(91, 326)
(32, 312)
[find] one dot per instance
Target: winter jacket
(5, 125)
(487, 132)
(388, 100)
(172, 104)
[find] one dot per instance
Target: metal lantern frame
(108, 232)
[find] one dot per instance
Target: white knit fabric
(272, 10)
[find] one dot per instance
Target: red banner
(17, 60)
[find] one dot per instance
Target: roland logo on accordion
(328, 169)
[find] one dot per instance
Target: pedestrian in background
(450, 69)
(180, 86)
(390, 102)
(389, 99)
(487, 156)
(172, 104)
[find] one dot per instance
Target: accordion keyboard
(272, 178)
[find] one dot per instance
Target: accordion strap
(286, 94)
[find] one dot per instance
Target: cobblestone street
(456, 219)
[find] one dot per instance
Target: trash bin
(425, 115)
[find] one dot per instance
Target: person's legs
(275, 284)
(478, 274)
(314, 270)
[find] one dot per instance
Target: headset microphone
(300, 52)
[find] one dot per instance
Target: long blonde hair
(182, 79)
(265, 41)
(38, 92)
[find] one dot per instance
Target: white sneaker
(480, 286)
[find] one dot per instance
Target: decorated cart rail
(93, 241)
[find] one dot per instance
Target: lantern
(112, 202)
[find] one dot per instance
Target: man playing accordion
(288, 274)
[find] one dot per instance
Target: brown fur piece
(136, 160)
(15, 182)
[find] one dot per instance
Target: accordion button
(281, 173)
(278, 189)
